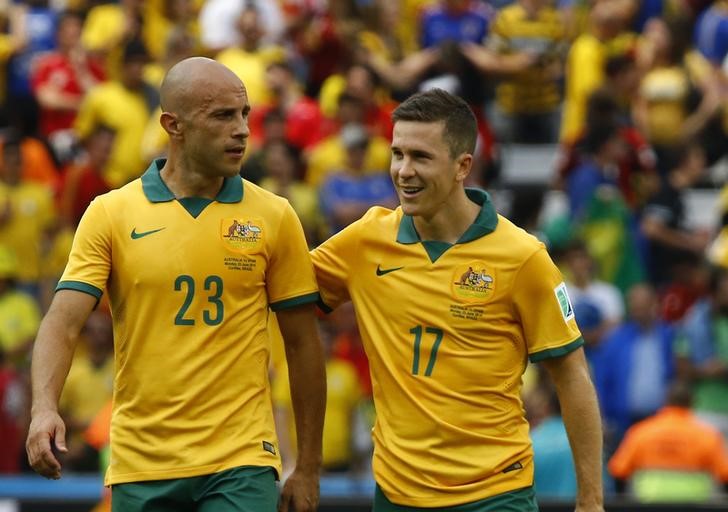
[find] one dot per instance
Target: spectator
(454, 20)
(711, 33)
(60, 81)
(26, 216)
(664, 220)
(88, 388)
(218, 28)
(12, 416)
(250, 59)
(125, 105)
(83, 179)
(527, 101)
(282, 166)
(19, 315)
(346, 194)
(165, 19)
(587, 292)
(634, 365)
(702, 350)
(109, 28)
(38, 22)
(672, 456)
(554, 474)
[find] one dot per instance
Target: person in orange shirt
(671, 456)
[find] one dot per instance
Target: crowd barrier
(75, 493)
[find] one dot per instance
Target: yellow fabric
(102, 32)
(304, 199)
(32, 215)
(532, 91)
(330, 155)
(87, 389)
(343, 392)
(444, 439)
(19, 319)
(329, 94)
(6, 50)
(584, 74)
(190, 306)
(157, 29)
(250, 68)
(126, 112)
(665, 90)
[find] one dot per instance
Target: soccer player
(452, 299)
(192, 256)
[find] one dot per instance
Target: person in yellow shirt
(108, 28)
(125, 105)
(19, 313)
(27, 215)
(251, 58)
(586, 60)
(193, 258)
(452, 300)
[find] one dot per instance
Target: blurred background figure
(672, 456)
(702, 352)
(634, 365)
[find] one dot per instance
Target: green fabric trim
(154, 188)
(194, 205)
(310, 298)
(157, 191)
(521, 500)
(323, 306)
(80, 287)
(484, 224)
(550, 353)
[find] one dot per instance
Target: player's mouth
(410, 191)
(235, 151)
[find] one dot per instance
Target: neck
(184, 179)
(450, 221)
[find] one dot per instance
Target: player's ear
(171, 124)
(464, 164)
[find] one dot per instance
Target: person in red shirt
(83, 179)
(62, 77)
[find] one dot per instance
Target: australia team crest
(242, 234)
(473, 282)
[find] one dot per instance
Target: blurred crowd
(633, 93)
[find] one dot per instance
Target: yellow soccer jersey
(448, 331)
(189, 283)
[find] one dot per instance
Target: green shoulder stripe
(80, 287)
(550, 353)
(310, 298)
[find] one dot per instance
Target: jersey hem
(323, 306)
(309, 298)
(80, 287)
(408, 501)
(209, 469)
(551, 353)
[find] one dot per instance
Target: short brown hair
(461, 129)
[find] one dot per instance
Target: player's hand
(590, 508)
(300, 492)
(46, 428)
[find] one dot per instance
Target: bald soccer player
(192, 258)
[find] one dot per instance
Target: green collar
(485, 223)
(157, 192)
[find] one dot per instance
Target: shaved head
(193, 83)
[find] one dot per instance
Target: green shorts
(243, 489)
(522, 500)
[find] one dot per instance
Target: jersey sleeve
(332, 261)
(543, 305)
(89, 263)
(290, 281)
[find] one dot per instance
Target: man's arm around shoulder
(580, 411)
(52, 356)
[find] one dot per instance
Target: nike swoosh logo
(382, 271)
(135, 235)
